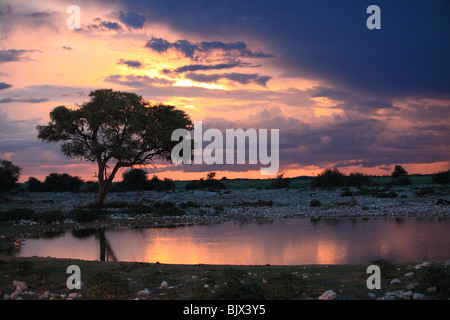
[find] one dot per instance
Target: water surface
(281, 242)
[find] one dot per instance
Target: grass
(126, 279)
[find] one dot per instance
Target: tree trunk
(102, 188)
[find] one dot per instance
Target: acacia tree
(115, 129)
(9, 174)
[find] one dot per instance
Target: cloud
(241, 78)
(66, 47)
(203, 67)
(4, 85)
(14, 55)
(132, 19)
(196, 50)
(104, 25)
(131, 63)
(41, 15)
(137, 81)
(6, 11)
(13, 99)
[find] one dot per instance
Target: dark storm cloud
(241, 78)
(328, 40)
(132, 19)
(195, 50)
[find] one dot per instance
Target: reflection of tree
(106, 251)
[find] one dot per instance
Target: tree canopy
(115, 127)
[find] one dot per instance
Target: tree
(399, 172)
(117, 129)
(134, 179)
(9, 174)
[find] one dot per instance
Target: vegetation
(280, 182)
(442, 177)
(9, 174)
(206, 184)
(118, 127)
(334, 178)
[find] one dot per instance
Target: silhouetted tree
(115, 127)
(9, 174)
(399, 172)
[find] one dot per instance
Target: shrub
(358, 180)
(280, 182)
(315, 203)
(167, 208)
(9, 174)
(17, 214)
(390, 194)
(134, 179)
(209, 184)
(442, 177)
(398, 172)
(404, 181)
(235, 288)
(49, 216)
(89, 187)
(85, 215)
(35, 185)
(160, 185)
(56, 182)
(330, 178)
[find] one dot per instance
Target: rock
(431, 289)
(75, 295)
(144, 292)
(20, 286)
(418, 296)
(163, 284)
(395, 281)
(328, 295)
(194, 277)
(372, 295)
(14, 296)
(409, 274)
(6, 297)
(406, 295)
(411, 286)
(425, 264)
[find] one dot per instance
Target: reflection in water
(284, 242)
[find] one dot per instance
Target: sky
(341, 95)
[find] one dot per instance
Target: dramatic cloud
(132, 19)
(196, 50)
(241, 78)
(203, 67)
(137, 81)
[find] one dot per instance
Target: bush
(85, 215)
(35, 185)
(9, 174)
(358, 180)
(167, 208)
(330, 178)
(315, 203)
(48, 217)
(285, 287)
(134, 179)
(390, 194)
(56, 182)
(280, 182)
(160, 185)
(438, 276)
(442, 177)
(209, 184)
(404, 181)
(386, 267)
(399, 172)
(17, 214)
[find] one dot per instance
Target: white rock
(418, 296)
(20, 286)
(194, 277)
(163, 284)
(409, 274)
(144, 292)
(205, 286)
(14, 296)
(328, 295)
(6, 296)
(406, 295)
(431, 289)
(425, 264)
(395, 281)
(411, 286)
